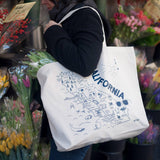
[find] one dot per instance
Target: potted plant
(143, 145)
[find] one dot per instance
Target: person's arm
(81, 52)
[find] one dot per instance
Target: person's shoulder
(85, 12)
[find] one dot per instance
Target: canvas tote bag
(105, 106)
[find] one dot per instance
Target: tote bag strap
(73, 11)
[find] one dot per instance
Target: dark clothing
(81, 36)
(77, 154)
(62, 7)
(77, 45)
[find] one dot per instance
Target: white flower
(34, 64)
(4, 121)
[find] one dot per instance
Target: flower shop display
(14, 32)
(154, 102)
(22, 85)
(21, 125)
(150, 83)
(132, 26)
(143, 145)
(150, 87)
(15, 139)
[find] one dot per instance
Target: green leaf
(18, 153)
(151, 40)
(25, 154)
(12, 155)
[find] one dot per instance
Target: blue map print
(96, 109)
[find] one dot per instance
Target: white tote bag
(105, 106)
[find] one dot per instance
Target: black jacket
(77, 45)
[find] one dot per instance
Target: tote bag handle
(73, 11)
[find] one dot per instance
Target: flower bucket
(139, 151)
(153, 115)
(113, 149)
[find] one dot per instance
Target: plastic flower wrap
(37, 59)
(141, 59)
(146, 80)
(4, 81)
(131, 24)
(22, 85)
(149, 136)
(14, 34)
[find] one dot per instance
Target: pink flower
(144, 28)
(14, 79)
(14, 105)
(26, 82)
(144, 18)
(157, 30)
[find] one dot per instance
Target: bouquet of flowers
(133, 24)
(37, 59)
(149, 136)
(22, 84)
(150, 87)
(15, 139)
(154, 102)
(14, 32)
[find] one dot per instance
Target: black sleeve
(81, 52)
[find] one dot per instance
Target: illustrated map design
(90, 107)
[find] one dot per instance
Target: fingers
(51, 23)
(34, 106)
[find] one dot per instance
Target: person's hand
(51, 23)
(34, 106)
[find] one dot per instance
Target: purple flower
(149, 135)
(141, 138)
(14, 79)
(157, 97)
(26, 82)
(157, 91)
